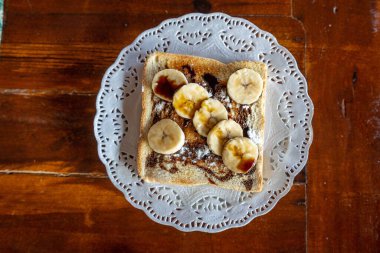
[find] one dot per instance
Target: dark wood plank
(118, 29)
(55, 68)
(136, 7)
(343, 170)
(41, 132)
(75, 60)
(45, 214)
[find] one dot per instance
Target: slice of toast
(195, 164)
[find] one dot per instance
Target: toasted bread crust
(187, 173)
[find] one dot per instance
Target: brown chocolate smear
(175, 117)
(152, 160)
(245, 131)
(223, 178)
(172, 170)
(186, 123)
(156, 118)
(211, 80)
(210, 181)
(248, 184)
(198, 144)
(242, 117)
(189, 73)
(218, 90)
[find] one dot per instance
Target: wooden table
(55, 195)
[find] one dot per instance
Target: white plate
(288, 131)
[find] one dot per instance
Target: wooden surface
(54, 192)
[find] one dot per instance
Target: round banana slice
(240, 154)
(166, 137)
(166, 82)
(222, 132)
(245, 86)
(211, 112)
(188, 99)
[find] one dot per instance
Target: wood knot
(203, 6)
(301, 202)
(354, 76)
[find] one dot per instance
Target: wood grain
(81, 214)
(85, 54)
(48, 131)
(136, 7)
(343, 170)
(116, 29)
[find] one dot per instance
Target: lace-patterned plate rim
(205, 229)
(123, 54)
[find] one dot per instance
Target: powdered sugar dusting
(184, 150)
(222, 96)
(202, 152)
(226, 98)
(253, 135)
(195, 154)
(203, 84)
(160, 106)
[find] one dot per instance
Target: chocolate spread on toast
(195, 151)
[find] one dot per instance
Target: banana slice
(188, 99)
(166, 82)
(211, 112)
(240, 154)
(245, 86)
(166, 137)
(222, 132)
